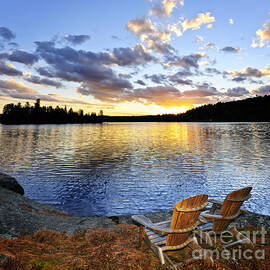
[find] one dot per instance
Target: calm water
(123, 168)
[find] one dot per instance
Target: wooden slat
(182, 220)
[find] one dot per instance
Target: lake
(126, 168)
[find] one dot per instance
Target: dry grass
(99, 250)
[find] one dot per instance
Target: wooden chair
(218, 221)
(176, 233)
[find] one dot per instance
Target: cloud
(231, 21)
(8, 69)
(42, 81)
(140, 82)
(202, 90)
(23, 57)
(251, 72)
(239, 79)
(164, 9)
(213, 71)
(155, 39)
(76, 39)
(208, 45)
(84, 67)
(119, 56)
(17, 86)
(18, 90)
(199, 38)
(180, 77)
(262, 36)
(131, 56)
(6, 34)
(174, 28)
(237, 92)
(156, 78)
(229, 49)
(197, 22)
(166, 96)
(187, 61)
(261, 91)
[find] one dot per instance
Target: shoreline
(20, 215)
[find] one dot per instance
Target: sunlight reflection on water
(123, 168)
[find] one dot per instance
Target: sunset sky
(133, 57)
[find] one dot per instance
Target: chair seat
(156, 238)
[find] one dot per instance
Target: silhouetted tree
(18, 114)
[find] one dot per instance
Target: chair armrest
(242, 209)
(207, 215)
(145, 221)
(215, 202)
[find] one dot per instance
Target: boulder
(10, 183)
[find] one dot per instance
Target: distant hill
(255, 109)
(250, 109)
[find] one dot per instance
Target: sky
(133, 57)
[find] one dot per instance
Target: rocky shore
(21, 215)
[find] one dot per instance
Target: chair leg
(141, 235)
(160, 255)
(241, 239)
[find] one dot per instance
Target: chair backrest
(185, 215)
(230, 208)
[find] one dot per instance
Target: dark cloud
(119, 56)
(140, 82)
(131, 56)
(77, 39)
(237, 92)
(251, 72)
(6, 34)
(229, 49)
(263, 90)
(23, 57)
(179, 77)
(181, 81)
(43, 81)
(213, 71)
(202, 90)
(187, 61)
(45, 71)
(156, 78)
(115, 37)
(9, 70)
(239, 79)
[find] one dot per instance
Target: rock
(10, 183)
(20, 215)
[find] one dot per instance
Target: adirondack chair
(218, 221)
(176, 233)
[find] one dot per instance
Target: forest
(18, 114)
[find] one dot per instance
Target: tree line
(255, 109)
(18, 114)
